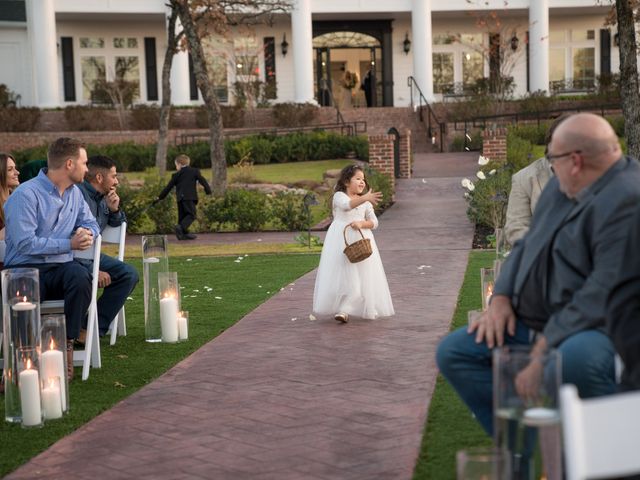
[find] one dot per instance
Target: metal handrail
(431, 116)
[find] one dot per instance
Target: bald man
(552, 290)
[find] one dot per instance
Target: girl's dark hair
(346, 175)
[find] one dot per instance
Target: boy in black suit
(186, 194)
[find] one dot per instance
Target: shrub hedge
(320, 145)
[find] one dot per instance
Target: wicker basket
(357, 251)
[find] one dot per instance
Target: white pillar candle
(23, 306)
(169, 319)
(52, 400)
(52, 365)
(29, 384)
(183, 328)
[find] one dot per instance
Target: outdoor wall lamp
(284, 45)
(515, 41)
(406, 45)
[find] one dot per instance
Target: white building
(52, 51)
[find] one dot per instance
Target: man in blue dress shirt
(46, 219)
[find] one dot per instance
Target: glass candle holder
(482, 464)
(183, 325)
(497, 266)
(29, 387)
(52, 398)
(527, 426)
(169, 305)
(503, 248)
(155, 259)
(53, 358)
(21, 328)
(487, 280)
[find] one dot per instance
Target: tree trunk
(165, 108)
(216, 143)
(629, 90)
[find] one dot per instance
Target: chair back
(116, 235)
(601, 435)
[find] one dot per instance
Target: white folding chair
(601, 435)
(3, 247)
(90, 356)
(117, 235)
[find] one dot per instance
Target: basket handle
(344, 234)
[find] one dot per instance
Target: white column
(41, 25)
(180, 84)
(302, 45)
(421, 47)
(539, 45)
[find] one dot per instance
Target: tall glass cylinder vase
(487, 280)
(155, 259)
(527, 418)
(169, 306)
(53, 358)
(21, 325)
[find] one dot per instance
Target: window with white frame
(109, 59)
(572, 59)
(458, 61)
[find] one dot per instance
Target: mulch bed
(480, 236)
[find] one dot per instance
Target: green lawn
(272, 173)
(450, 426)
(132, 363)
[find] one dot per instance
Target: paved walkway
(273, 398)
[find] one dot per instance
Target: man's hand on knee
(81, 239)
(491, 325)
(104, 279)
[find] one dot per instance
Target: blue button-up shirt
(40, 222)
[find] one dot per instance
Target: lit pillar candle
(29, 382)
(169, 319)
(23, 306)
(52, 399)
(183, 327)
(52, 365)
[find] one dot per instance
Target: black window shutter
(68, 77)
(193, 86)
(151, 68)
(269, 44)
(605, 51)
(495, 56)
(527, 51)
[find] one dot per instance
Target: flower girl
(344, 288)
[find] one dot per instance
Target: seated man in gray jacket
(117, 278)
(556, 281)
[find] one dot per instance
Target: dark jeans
(587, 362)
(123, 280)
(186, 213)
(70, 281)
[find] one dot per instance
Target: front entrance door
(353, 64)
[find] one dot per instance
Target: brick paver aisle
(277, 398)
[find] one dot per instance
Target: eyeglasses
(553, 158)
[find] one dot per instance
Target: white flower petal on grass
(312, 317)
(492, 172)
(480, 174)
(482, 160)
(237, 261)
(189, 259)
(259, 286)
(129, 298)
(218, 298)
(196, 290)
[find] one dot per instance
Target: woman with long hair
(8, 182)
